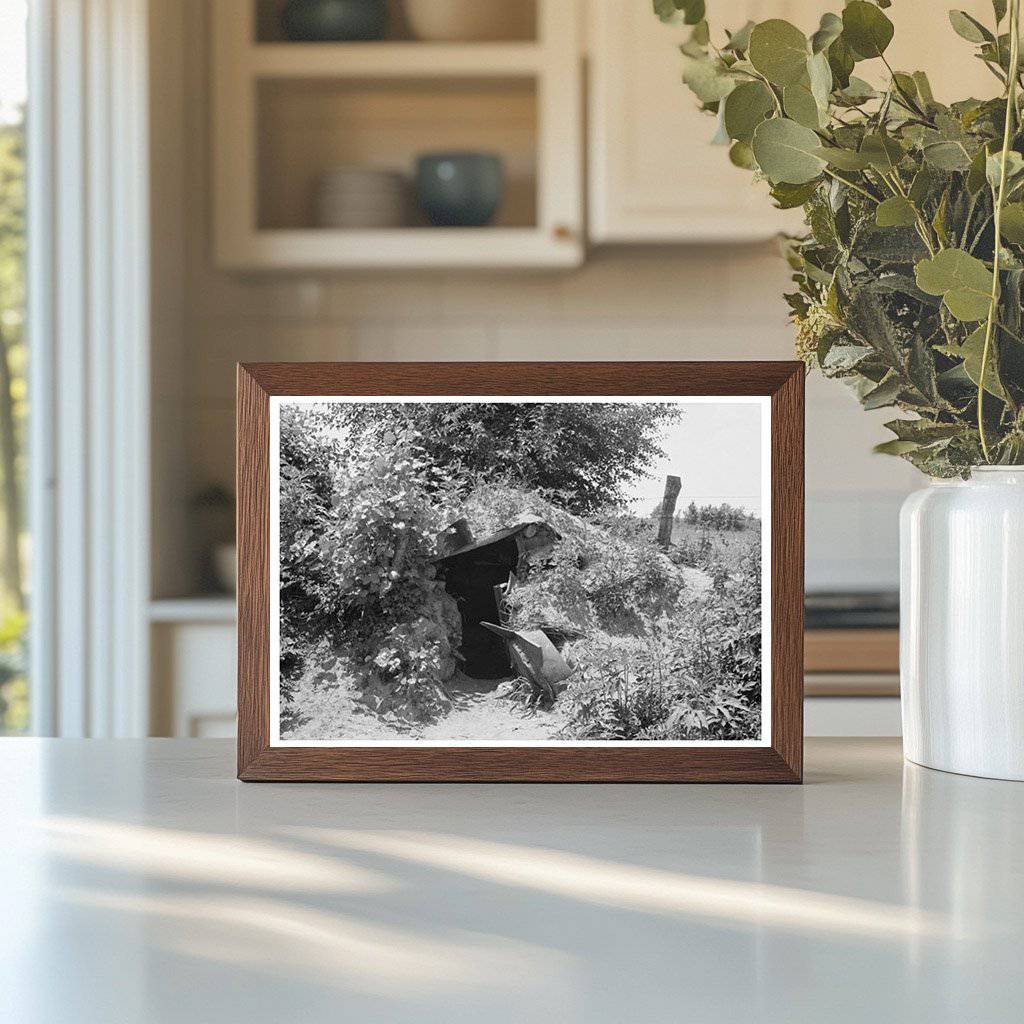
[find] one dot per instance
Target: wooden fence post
(673, 485)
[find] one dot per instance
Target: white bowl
(362, 198)
(471, 20)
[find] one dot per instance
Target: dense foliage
(13, 414)
(359, 517)
(721, 517)
(691, 672)
(580, 454)
(901, 291)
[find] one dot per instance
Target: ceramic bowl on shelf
(460, 189)
(334, 21)
(362, 197)
(470, 20)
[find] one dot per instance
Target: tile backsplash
(708, 303)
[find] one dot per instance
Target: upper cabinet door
(654, 176)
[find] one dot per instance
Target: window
(14, 548)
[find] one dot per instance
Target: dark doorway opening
(470, 577)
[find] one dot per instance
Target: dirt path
(479, 713)
(697, 580)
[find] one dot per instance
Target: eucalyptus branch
(1000, 197)
(895, 183)
(909, 100)
(977, 237)
(853, 185)
(771, 90)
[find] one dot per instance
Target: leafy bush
(695, 673)
(720, 517)
(910, 280)
(359, 519)
(580, 455)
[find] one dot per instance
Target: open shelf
(309, 127)
(286, 114)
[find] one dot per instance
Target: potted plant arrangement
(909, 288)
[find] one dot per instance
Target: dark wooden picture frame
(779, 761)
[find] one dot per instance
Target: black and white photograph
(534, 571)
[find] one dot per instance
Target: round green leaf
(741, 155)
(788, 197)
(800, 105)
(1012, 224)
(976, 173)
(963, 281)
(840, 62)
(844, 159)
(947, 156)
(707, 79)
(690, 12)
(972, 351)
(866, 29)
(787, 152)
(993, 166)
(883, 152)
(779, 51)
(740, 39)
(745, 108)
(829, 30)
(819, 74)
(895, 212)
(968, 28)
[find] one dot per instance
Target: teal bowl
(460, 190)
(334, 21)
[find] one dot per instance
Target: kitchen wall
(652, 303)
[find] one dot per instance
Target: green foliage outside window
(13, 413)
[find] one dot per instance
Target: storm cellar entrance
(472, 570)
(470, 578)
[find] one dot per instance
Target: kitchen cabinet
(654, 177)
(287, 114)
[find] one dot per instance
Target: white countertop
(140, 882)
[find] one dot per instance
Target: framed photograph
(578, 572)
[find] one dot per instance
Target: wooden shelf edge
(315, 248)
(852, 650)
(851, 684)
(392, 60)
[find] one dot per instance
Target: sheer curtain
(88, 335)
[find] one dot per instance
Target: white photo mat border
(276, 401)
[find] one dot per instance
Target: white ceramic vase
(962, 624)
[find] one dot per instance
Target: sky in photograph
(715, 449)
